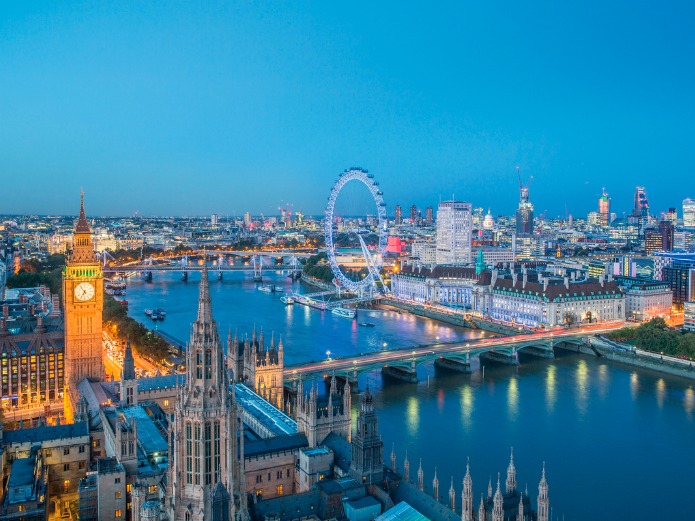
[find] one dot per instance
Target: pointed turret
(481, 509)
(510, 484)
(497, 503)
(520, 513)
(543, 499)
(393, 457)
(406, 467)
(420, 477)
(128, 363)
(204, 302)
(435, 486)
(489, 487)
(467, 494)
(82, 223)
(452, 496)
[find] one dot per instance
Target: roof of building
(286, 508)
(47, 433)
(22, 472)
(557, 290)
(285, 442)
(150, 438)
(342, 450)
(267, 414)
(402, 512)
(363, 502)
(423, 502)
(339, 486)
(155, 383)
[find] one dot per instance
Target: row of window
(278, 475)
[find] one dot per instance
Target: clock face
(84, 291)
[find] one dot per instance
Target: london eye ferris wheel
(373, 260)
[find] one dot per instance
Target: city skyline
(182, 109)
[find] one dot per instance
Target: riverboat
(344, 312)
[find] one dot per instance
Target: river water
(618, 442)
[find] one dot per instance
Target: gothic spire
(420, 477)
(393, 457)
(511, 475)
(204, 303)
(406, 467)
(543, 500)
(435, 486)
(481, 509)
(128, 363)
(452, 496)
(82, 223)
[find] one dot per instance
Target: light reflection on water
(550, 388)
(513, 399)
(596, 460)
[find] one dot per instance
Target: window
(152, 488)
(81, 449)
(279, 490)
(128, 486)
(118, 513)
(278, 474)
(166, 403)
(66, 451)
(118, 494)
(288, 473)
(66, 486)
(259, 479)
(117, 481)
(66, 467)
(268, 476)
(81, 465)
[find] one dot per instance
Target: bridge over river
(402, 363)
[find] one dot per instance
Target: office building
(604, 209)
(454, 228)
(641, 208)
(398, 215)
(689, 213)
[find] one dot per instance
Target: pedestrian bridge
(402, 363)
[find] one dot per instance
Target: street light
(328, 354)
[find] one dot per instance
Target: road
(113, 360)
(346, 364)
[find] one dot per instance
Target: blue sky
(202, 107)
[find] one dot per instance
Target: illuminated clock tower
(83, 302)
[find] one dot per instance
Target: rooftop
(47, 433)
(402, 512)
(275, 444)
(270, 416)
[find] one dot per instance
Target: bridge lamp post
(328, 354)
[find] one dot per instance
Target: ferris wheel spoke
(373, 273)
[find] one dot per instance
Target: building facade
(205, 478)
(454, 229)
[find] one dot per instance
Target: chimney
(567, 282)
(545, 284)
(610, 277)
(600, 279)
(524, 279)
(514, 278)
(574, 275)
(493, 278)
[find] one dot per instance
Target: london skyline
(183, 110)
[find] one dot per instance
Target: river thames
(618, 442)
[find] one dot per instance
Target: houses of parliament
(223, 441)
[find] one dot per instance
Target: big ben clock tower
(83, 302)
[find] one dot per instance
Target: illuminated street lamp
(328, 354)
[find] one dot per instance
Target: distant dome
(488, 222)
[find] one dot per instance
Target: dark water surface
(617, 441)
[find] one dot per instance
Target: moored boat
(367, 324)
(287, 300)
(344, 312)
(265, 289)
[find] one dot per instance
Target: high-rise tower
(604, 208)
(524, 215)
(83, 303)
(205, 477)
(641, 208)
(454, 230)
